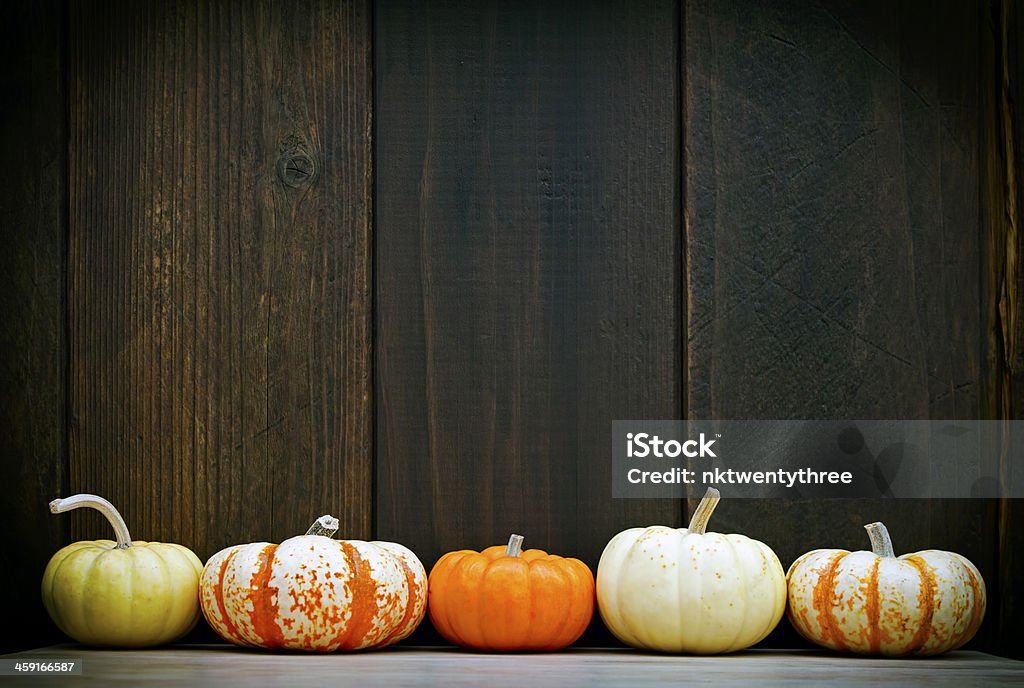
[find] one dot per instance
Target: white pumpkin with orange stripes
(314, 593)
(875, 603)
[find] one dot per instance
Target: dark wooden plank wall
(1011, 563)
(32, 345)
(219, 266)
(584, 212)
(1002, 125)
(527, 265)
(833, 258)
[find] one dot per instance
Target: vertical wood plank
(832, 239)
(528, 271)
(1012, 566)
(1002, 186)
(219, 266)
(33, 193)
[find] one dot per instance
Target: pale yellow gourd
(123, 593)
(687, 590)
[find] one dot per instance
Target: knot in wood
(296, 168)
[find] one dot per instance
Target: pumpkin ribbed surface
(489, 601)
(314, 593)
(924, 603)
(673, 590)
(136, 597)
(121, 593)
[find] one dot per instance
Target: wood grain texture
(1001, 193)
(833, 247)
(1012, 544)
(528, 273)
(33, 194)
(219, 266)
(232, 666)
(845, 252)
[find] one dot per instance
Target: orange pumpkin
(505, 599)
(875, 603)
(314, 593)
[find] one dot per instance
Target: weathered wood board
(219, 267)
(229, 666)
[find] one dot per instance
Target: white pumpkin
(687, 590)
(876, 603)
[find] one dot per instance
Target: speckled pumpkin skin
(922, 604)
(671, 590)
(314, 593)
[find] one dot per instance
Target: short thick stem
(881, 543)
(326, 525)
(515, 546)
(699, 521)
(59, 506)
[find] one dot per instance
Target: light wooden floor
(225, 666)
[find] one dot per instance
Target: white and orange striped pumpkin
(314, 593)
(875, 603)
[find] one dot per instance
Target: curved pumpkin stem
(515, 546)
(881, 543)
(326, 525)
(701, 516)
(59, 506)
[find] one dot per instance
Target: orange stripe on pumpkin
(925, 602)
(874, 609)
(363, 593)
(824, 593)
(265, 602)
(230, 630)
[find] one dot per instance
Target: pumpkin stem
(515, 546)
(881, 543)
(59, 506)
(699, 521)
(326, 525)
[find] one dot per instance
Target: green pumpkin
(123, 593)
